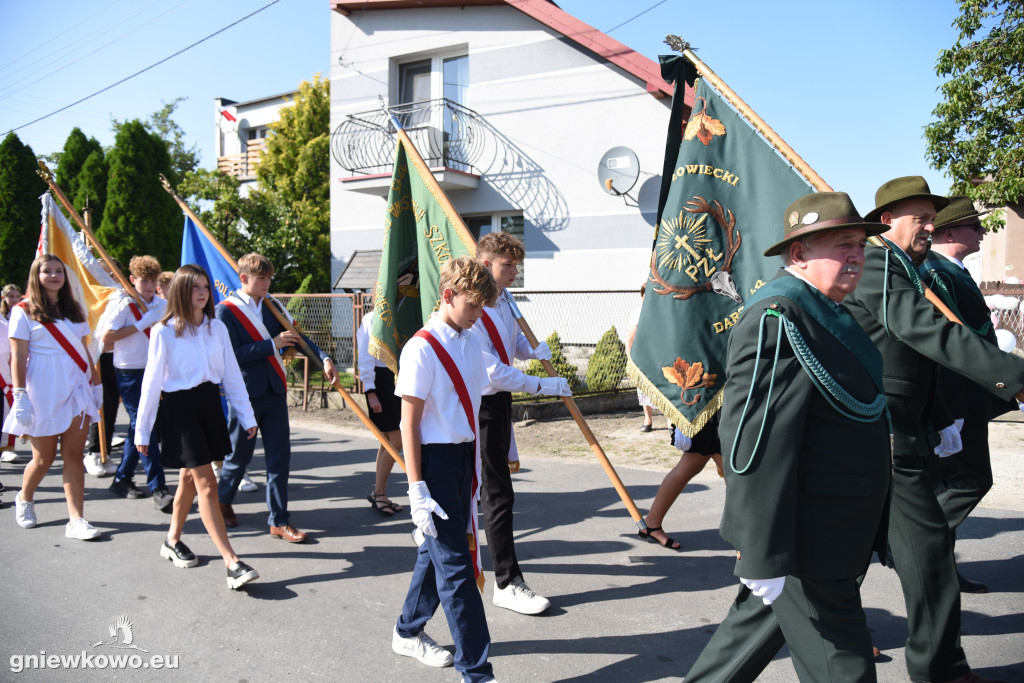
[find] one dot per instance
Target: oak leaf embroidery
(688, 376)
(702, 125)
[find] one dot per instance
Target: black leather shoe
(968, 586)
(126, 488)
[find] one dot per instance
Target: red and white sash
(67, 340)
(137, 313)
(499, 346)
(467, 405)
(253, 324)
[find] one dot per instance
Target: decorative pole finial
(676, 43)
(44, 172)
(167, 185)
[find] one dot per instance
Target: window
(431, 94)
(510, 223)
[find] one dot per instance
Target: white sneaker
(24, 512)
(9, 455)
(247, 485)
(117, 441)
(422, 647)
(81, 530)
(519, 597)
(93, 465)
(110, 467)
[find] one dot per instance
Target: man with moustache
(962, 479)
(805, 445)
(914, 339)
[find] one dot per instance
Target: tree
(20, 188)
(563, 367)
(77, 149)
(978, 137)
(92, 187)
(183, 159)
(139, 217)
(294, 190)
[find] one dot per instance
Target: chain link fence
(579, 318)
(1006, 301)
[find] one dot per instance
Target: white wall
(556, 110)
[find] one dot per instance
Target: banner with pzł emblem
(722, 204)
(419, 236)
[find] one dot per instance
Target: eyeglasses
(976, 226)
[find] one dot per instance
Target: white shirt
(950, 258)
(367, 364)
(131, 352)
(422, 375)
(501, 377)
(178, 363)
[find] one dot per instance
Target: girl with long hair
(10, 296)
(54, 399)
(189, 354)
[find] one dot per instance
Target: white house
(513, 104)
(240, 130)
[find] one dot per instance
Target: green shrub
(563, 367)
(608, 364)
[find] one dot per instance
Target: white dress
(57, 388)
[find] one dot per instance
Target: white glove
(149, 318)
(767, 589)
(951, 441)
(22, 406)
(97, 396)
(681, 441)
(422, 505)
(554, 386)
(542, 352)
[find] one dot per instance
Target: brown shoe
(969, 677)
(230, 521)
(288, 533)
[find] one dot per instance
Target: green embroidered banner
(724, 190)
(419, 236)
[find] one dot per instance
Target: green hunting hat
(961, 207)
(899, 189)
(819, 212)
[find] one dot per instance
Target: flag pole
(275, 309)
(460, 226)
(129, 289)
(759, 124)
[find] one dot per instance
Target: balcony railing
(445, 133)
(243, 165)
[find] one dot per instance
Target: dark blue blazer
(252, 357)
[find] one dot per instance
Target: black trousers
(111, 397)
(963, 479)
(497, 496)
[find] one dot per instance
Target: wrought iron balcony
(446, 134)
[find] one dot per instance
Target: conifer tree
(20, 188)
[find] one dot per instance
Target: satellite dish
(618, 170)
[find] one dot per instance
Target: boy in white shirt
(127, 327)
(500, 338)
(441, 377)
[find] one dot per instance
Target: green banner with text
(724, 191)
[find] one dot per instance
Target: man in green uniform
(962, 479)
(914, 338)
(806, 446)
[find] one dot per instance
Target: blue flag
(197, 248)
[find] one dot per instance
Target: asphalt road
(623, 610)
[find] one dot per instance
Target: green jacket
(955, 286)
(813, 502)
(914, 339)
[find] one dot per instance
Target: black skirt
(390, 416)
(192, 428)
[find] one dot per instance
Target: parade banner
(420, 234)
(197, 248)
(724, 191)
(90, 283)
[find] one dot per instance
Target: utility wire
(636, 17)
(142, 71)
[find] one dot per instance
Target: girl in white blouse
(189, 354)
(52, 376)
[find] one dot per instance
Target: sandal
(380, 502)
(669, 543)
(646, 428)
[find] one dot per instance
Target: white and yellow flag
(90, 282)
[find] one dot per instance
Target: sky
(850, 86)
